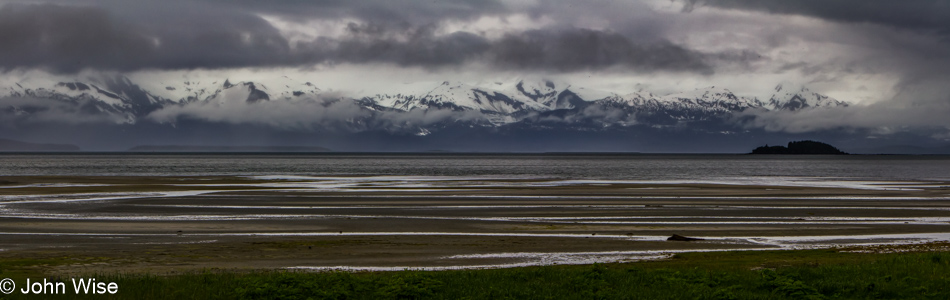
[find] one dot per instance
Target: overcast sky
(890, 57)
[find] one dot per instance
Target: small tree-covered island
(799, 147)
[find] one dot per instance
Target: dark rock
(73, 85)
(255, 94)
(677, 237)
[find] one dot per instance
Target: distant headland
(799, 147)
(181, 148)
(18, 146)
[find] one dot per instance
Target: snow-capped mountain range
(523, 97)
(501, 103)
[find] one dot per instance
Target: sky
(891, 59)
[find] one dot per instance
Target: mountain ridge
(500, 103)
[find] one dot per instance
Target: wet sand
(173, 224)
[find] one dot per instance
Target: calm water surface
(627, 167)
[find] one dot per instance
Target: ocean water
(578, 166)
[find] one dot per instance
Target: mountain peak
(791, 88)
(793, 98)
(711, 93)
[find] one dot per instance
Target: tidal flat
(62, 225)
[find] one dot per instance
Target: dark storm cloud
(569, 49)
(580, 49)
(927, 15)
(380, 11)
(383, 11)
(402, 44)
(65, 38)
(70, 38)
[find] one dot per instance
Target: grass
(805, 274)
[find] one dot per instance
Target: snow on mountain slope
(211, 90)
(500, 98)
(117, 95)
(62, 88)
(634, 99)
(101, 94)
(591, 94)
(184, 90)
(392, 100)
(459, 96)
(798, 97)
(538, 94)
(519, 96)
(712, 98)
(547, 93)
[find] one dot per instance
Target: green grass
(808, 274)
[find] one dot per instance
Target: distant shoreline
(181, 148)
(446, 153)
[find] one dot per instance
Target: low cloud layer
(24, 111)
(322, 115)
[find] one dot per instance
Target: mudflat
(83, 224)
